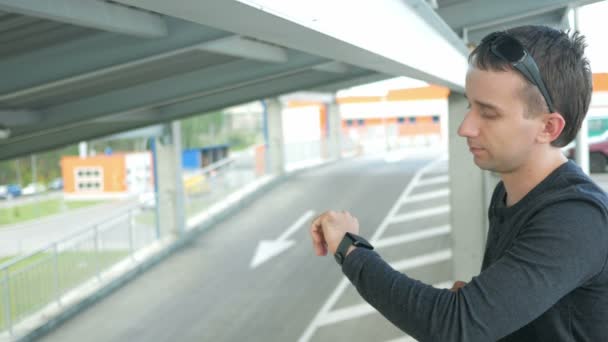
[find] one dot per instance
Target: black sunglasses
(512, 51)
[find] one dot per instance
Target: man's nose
(468, 126)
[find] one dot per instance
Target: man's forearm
(418, 309)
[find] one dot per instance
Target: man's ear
(552, 126)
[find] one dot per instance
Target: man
(544, 275)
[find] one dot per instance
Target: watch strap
(348, 240)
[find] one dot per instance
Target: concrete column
(276, 146)
(443, 128)
(335, 130)
(170, 185)
(470, 193)
(582, 138)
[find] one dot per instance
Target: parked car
(33, 188)
(56, 184)
(598, 156)
(9, 191)
(147, 200)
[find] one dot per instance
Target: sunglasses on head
(512, 51)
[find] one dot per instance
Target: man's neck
(521, 181)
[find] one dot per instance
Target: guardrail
(44, 277)
(206, 186)
(31, 282)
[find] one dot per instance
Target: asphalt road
(209, 292)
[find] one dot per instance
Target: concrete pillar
(335, 130)
(172, 215)
(582, 138)
(443, 128)
(470, 194)
(276, 146)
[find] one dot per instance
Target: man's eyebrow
(488, 105)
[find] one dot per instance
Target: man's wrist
(349, 242)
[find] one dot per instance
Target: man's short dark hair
(563, 67)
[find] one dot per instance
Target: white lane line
(414, 236)
(344, 314)
(404, 339)
(418, 214)
(331, 301)
(423, 260)
(434, 180)
(335, 295)
(360, 310)
(427, 196)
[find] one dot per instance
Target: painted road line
(360, 310)
(270, 248)
(339, 290)
(418, 214)
(404, 339)
(434, 180)
(427, 196)
(422, 260)
(415, 236)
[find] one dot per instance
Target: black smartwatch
(348, 240)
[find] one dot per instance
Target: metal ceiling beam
(98, 52)
(183, 87)
(553, 19)
(336, 86)
(535, 14)
(11, 118)
(335, 67)
(63, 135)
(246, 48)
(138, 115)
(94, 14)
(321, 28)
(483, 12)
(234, 46)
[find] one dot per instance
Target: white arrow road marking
(270, 248)
(434, 180)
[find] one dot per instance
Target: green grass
(40, 209)
(33, 283)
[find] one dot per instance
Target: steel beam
(99, 15)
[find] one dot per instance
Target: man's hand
(458, 284)
(328, 229)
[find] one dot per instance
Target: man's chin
(484, 165)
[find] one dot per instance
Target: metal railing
(43, 277)
(31, 282)
(206, 186)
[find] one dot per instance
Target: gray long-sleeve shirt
(544, 275)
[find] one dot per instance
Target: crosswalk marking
(359, 310)
(434, 180)
(418, 214)
(326, 316)
(415, 236)
(427, 196)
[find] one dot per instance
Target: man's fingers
(458, 284)
(318, 239)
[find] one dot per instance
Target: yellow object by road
(195, 184)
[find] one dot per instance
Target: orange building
(105, 176)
